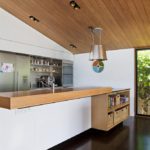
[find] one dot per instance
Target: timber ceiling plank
(125, 23)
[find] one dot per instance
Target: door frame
(135, 85)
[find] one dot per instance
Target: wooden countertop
(21, 99)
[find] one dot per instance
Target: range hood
(97, 51)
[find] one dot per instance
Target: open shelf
(117, 107)
(105, 117)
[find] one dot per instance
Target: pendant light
(97, 51)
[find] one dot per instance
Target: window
(142, 81)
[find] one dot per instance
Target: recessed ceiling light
(34, 19)
(74, 5)
(72, 46)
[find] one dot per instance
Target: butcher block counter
(22, 99)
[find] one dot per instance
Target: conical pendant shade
(97, 51)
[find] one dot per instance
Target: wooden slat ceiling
(125, 23)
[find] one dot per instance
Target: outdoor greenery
(143, 72)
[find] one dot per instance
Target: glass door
(143, 82)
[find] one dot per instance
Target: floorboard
(133, 134)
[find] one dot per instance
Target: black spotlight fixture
(34, 19)
(74, 5)
(72, 46)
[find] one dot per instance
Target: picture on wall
(6, 67)
(98, 66)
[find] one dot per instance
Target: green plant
(143, 75)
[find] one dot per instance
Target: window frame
(136, 81)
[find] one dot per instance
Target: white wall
(41, 127)
(16, 36)
(118, 71)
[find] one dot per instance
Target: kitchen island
(22, 99)
(57, 116)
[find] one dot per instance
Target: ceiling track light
(34, 19)
(74, 5)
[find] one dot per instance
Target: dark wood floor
(133, 134)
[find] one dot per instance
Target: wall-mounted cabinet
(108, 110)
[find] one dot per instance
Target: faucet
(53, 87)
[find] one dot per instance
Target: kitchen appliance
(67, 73)
(97, 51)
(14, 72)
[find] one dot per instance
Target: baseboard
(86, 133)
(57, 147)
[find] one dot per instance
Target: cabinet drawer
(110, 120)
(117, 116)
(125, 112)
(121, 114)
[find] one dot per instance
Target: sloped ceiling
(125, 23)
